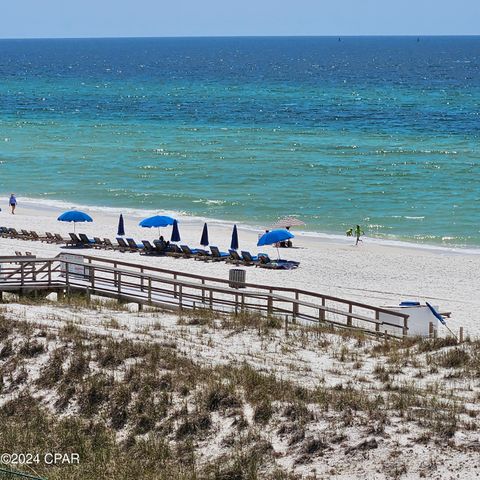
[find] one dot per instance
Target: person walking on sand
(358, 233)
(12, 202)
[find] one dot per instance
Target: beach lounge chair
(266, 262)
(12, 233)
(235, 258)
(87, 242)
(49, 238)
(108, 245)
(195, 253)
(123, 245)
(25, 234)
(174, 251)
(134, 246)
(35, 236)
(59, 239)
(217, 255)
(3, 231)
(74, 241)
(279, 265)
(98, 243)
(161, 248)
(249, 259)
(148, 248)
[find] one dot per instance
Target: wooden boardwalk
(130, 282)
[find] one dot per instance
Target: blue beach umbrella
(234, 243)
(74, 216)
(274, 236)
(157, 221)
(121, 227)
(175, 233)
(204, 239)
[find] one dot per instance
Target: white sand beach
(374, 273)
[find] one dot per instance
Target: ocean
(377, 131)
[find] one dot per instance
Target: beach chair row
(157, 247)
(162, 248)
(30, 235)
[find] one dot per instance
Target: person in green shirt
(358, 233)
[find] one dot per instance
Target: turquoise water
(378, 131)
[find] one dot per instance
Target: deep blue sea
(381, 131)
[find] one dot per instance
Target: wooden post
(295, 308)
(211, 299)
(349, 318)
(180, 304)
(141, 280)
(203, 290)
(460, 335)
(22, 273)
(405, 326)
(49, 273)
(149, 290)
(175, 285)
(119, 285)
(377, 322)
(270, 304)
(430, 329)
(92, 277)
(322, 311)
(286, 325)
(435, 334)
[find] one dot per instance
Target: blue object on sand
(234, 243)
(74, 216)
(204, 239)
(436, 314)
(409, 304)
(157, 221)
(175, 232)
(274, 236)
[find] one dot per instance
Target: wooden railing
(173, 289)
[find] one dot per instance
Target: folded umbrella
(121, 227)
(204, 239)
(234, 243)
(175, 232)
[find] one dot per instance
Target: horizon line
(409, 35)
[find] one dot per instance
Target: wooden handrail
(150, 284)
(295, 291)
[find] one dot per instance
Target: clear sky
(157, 18)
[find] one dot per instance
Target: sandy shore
(373, 273)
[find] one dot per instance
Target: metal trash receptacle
(236, 278)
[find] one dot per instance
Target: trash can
(237, 277)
